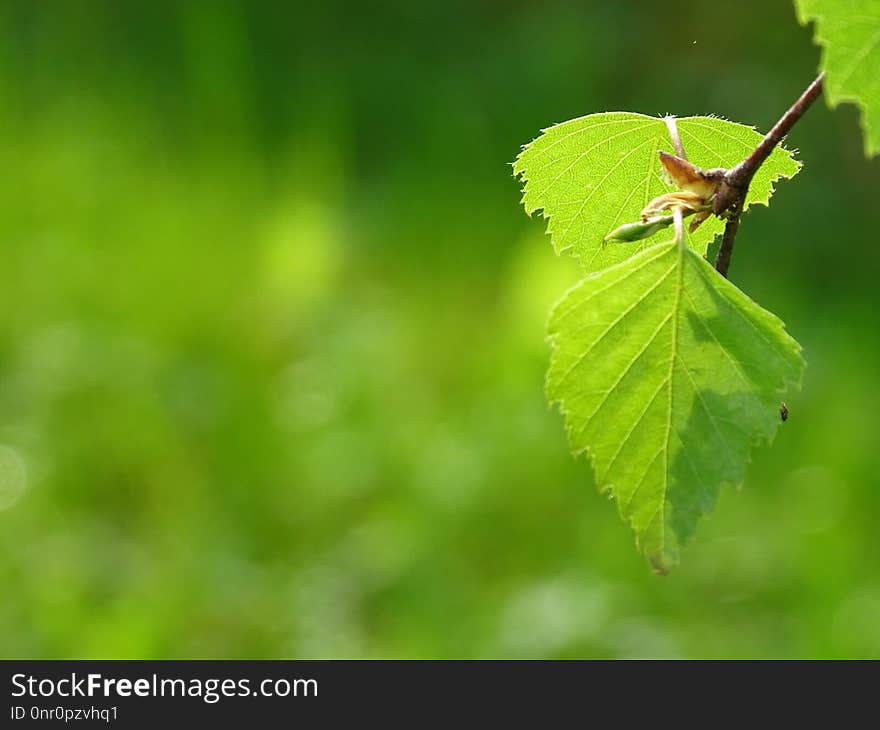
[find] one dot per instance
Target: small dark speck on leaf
(783, 412)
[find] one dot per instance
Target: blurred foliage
(271, 338)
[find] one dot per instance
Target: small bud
(639, 230)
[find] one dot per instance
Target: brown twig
(730, 198)
(725, 251)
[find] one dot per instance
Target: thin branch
(742, 174)
(730, 198)
(676, 137)
(725, 251)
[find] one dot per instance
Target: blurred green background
(271, 338)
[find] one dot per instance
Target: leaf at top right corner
(849, 33)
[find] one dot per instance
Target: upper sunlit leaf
(590, 175)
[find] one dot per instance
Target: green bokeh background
(271, 338)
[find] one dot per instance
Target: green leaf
(667, 375)
(590, 175)
(849, 33)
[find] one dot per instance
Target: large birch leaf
(667, 375)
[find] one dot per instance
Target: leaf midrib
(680, 251)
